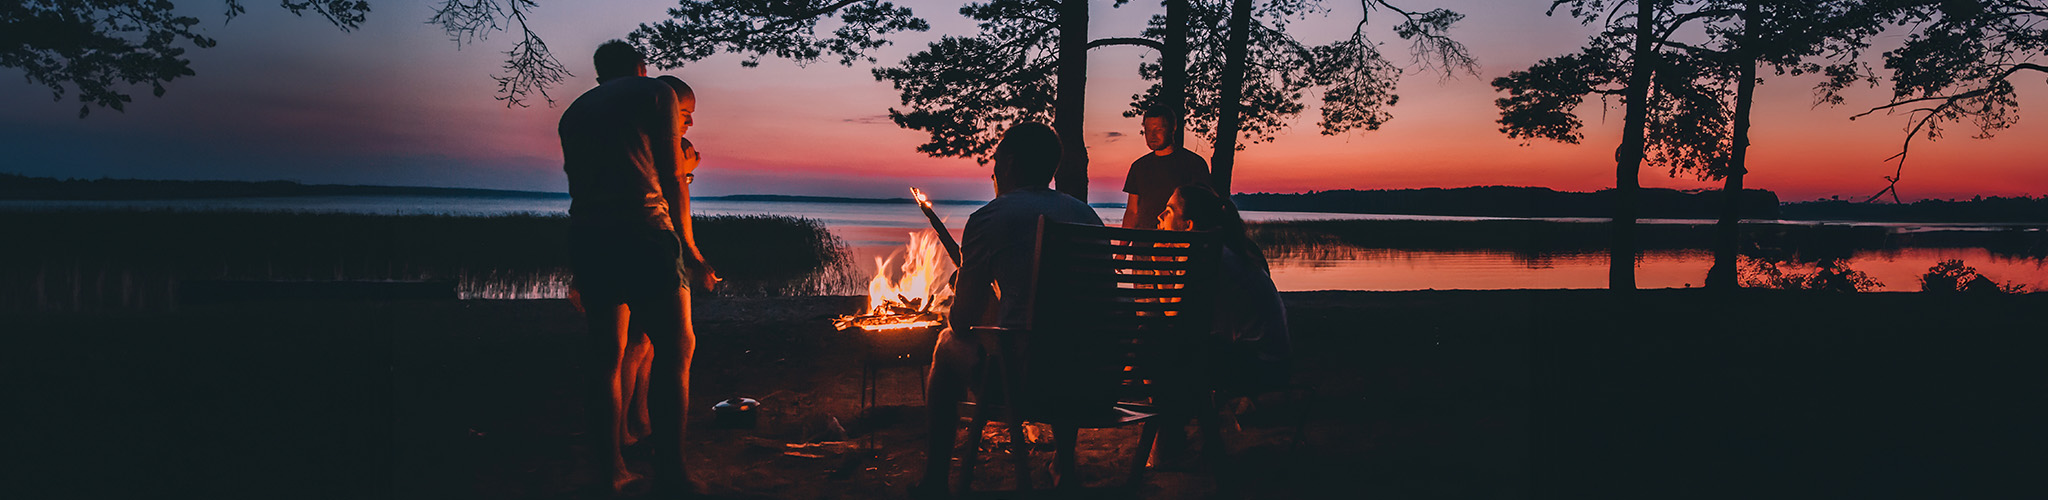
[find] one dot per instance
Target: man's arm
(1129, 221)
(973, 292)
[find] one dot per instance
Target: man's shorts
(624, 263)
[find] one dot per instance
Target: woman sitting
(1250, 317)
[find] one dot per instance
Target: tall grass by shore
(1781, 242)
(130, 259)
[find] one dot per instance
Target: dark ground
(1497, 394)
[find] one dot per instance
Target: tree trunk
(1071, 102)
(1727, 234)
(1173, 69)
(1628, 158)
(1230, 105)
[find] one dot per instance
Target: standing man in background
(1153, 177)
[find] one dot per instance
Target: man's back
(612, 148)
(999, 238)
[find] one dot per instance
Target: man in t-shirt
(1154, 176)
(630, 241)
(994, 283)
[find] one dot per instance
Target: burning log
(915, 295)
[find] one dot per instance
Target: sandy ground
(1503, 394)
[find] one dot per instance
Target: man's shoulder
(1179, 157)
(1031, 203)
(623, 88)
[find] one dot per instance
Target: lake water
(877, 229)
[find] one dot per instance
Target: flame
(910, 288)
(921, 199)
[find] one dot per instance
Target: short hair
(1159, 111)
(1034, 152)
(682, 89)
(617, 58)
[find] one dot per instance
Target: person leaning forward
(630, 243)
(994, 283)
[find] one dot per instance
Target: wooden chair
(1116, 326)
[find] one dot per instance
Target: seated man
(994, 284)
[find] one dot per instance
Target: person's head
(618, 59)
(1159, 126)
(1197, 207)
(1027, 156)
(686, 103)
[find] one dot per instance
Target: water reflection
(502, 258)
(1328, 268)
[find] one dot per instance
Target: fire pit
(907, 304)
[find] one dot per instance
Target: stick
(945, 237)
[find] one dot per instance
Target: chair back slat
(1116, 313)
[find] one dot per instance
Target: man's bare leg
(674, 342)
(634, 375)
(608, 331)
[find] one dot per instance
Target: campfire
(912, 287)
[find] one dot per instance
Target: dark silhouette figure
(1154, 176)
(996, 251)
(630, 243)
(1251, 315)
(1250, 349)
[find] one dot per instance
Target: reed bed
(1336, 239)
(91, 260)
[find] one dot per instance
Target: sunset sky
(397, 104)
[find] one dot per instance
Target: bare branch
(1141, 42)
(530, 67)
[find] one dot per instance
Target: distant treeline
(1509, 201)
(1979, 209)
(20, 187)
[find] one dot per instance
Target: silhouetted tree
(1030, 60)
(1957, 65)
(1791, 36)
(1669, 118)
(1247, 74)
(95, 47)
(786, 29)
(530, 68)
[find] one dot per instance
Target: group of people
(635, 260)
(1168, 190)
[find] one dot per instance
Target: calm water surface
(874, 230)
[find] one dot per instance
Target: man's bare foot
(626, 483)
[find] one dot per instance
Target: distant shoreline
(1477, 201)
